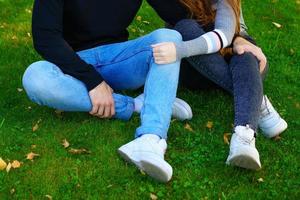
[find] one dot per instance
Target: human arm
(47, 29)
(47, 32)
(210, 42)
(241, 45)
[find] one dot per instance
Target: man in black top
(87, 57)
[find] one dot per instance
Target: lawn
(197, 154)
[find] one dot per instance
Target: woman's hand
(241, 45)
(164, 53)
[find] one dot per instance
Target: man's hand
(241, 45)
(164, 53)
(102, 101)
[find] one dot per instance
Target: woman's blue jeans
(127, 65)
(240, 76)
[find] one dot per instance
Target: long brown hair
(202, 10)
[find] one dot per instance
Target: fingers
(100, 112)
(94, 110)
(112, 109)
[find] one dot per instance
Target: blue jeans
(127, 65)
(240, 76)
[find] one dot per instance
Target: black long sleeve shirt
(62, 27)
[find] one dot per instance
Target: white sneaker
(242, 149)
(270, 122)
(147, 153)
(180, 110)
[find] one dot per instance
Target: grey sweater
(213, 41)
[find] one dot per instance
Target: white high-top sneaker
(242, 149)
(180, 110)
(270, 122)
(147, 153)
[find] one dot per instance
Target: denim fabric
(127, 65)
(239, 76)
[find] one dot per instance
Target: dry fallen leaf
(3, 164)
(209, 124)
(188, 127)
(65, 143)
(79, 151)
(138, 18)
(277, 138)
(20, 89)
(15, 164)
(35, 127)
(33, 146)
(8, 167)
(31, 156)
(12, 191)
(48, 197)
(260, 180)
(226, 138)
(153, 196)
(277, 25)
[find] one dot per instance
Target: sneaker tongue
(244, 132)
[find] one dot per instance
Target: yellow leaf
(33, 146)
(277, 25)
(226, 138)
(188, 127)
(79, 151)
(12, 191)
(138, 18)
(260, 180)
(15, 164)
(8, 167)
(35, 127)
(31, 156)
(48, 196)
(153, 196)
(3, 164)
(65, 143)
(209, 124)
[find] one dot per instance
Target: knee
(34, 78)
(166, 35)
(189, 29)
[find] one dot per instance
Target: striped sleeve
(212, 41)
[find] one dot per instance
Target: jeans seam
(125, 58)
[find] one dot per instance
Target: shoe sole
(158, 170)
(276, 130)
(244, 161)
(183, 106)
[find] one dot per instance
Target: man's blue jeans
(127, 65)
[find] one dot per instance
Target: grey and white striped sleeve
(213, 41)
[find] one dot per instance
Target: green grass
(197, 157)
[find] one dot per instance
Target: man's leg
(47, 85)
(130, 65)
(119, 65)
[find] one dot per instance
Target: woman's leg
(247, 89)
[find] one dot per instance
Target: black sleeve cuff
(92, 80)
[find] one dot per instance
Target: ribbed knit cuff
(181, 50)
